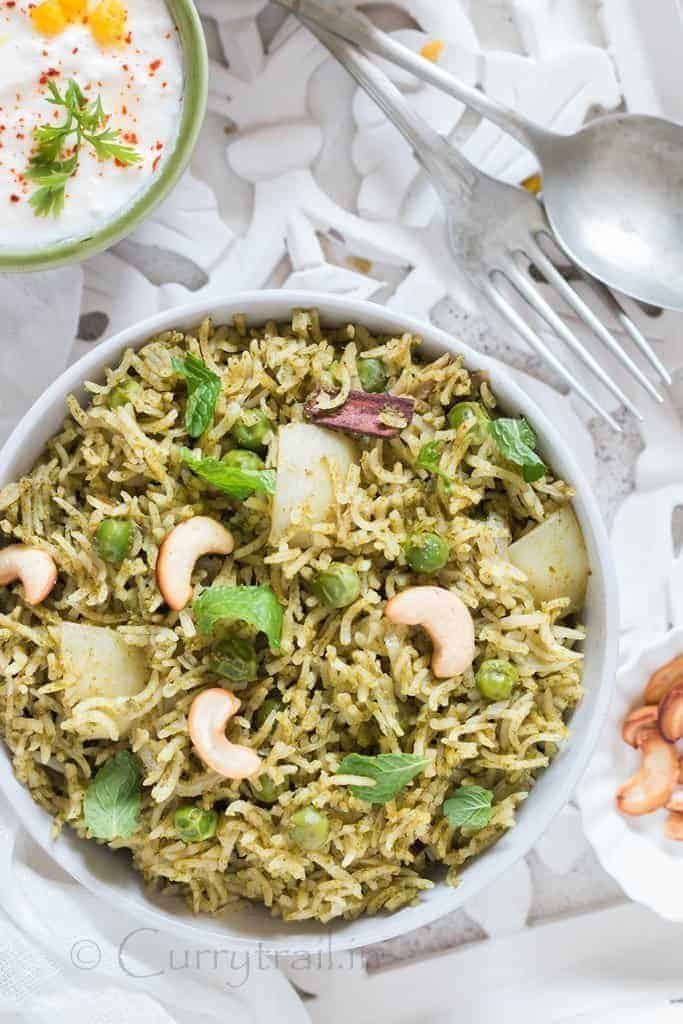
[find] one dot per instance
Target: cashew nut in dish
(178, 555)
(676, 802)
(445, 618)
(34, 567)
(663, 680)
(671, 714)
(673, 827)
(636, 721)
(653, 784)
(210, 713)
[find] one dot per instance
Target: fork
(493, 228)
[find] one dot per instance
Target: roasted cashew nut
(447, 620)
(210, 713)
(179, 553)
(637, 720)
(34, 567)
(653, 785)
(663, 680)
(671, 714)
(676, 802)
(673, 827)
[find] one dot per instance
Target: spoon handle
(449, 171)
(353, 29)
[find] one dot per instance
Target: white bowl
(635, 851)
(110, 875)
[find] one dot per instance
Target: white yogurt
(141, 84)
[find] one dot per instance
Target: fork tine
(631, 328)
(537, 344)
(529, 292)
(553, 276)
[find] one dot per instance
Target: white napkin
(39, 323)
(67, 958)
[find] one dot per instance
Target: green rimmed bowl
(195, 87)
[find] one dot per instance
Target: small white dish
(635, 851)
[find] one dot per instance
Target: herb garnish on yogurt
(58, 146)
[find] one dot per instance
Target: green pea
(373, 375)
(194, 824)
(243, 459)
(338, 586)
(124, 393)
(426, 552)
(473, 413)
(265, 791)
(496, 678)
(113, 539)
(270, 704)
(252, 430)
(236, 659)
(309, 828)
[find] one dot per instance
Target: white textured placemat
(617, 966)
(298, 181)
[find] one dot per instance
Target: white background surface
(298, 181)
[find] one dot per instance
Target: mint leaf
(391, 772)
(429, 457)
(111, 807)
(232, 480)
(527, 433)
(516, 442)
(203, 389)
(469, 807)
(257, 606)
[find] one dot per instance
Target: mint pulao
(291, 613)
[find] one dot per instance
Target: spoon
(613, 191)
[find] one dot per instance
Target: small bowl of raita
(101, 102)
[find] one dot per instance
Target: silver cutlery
(495, 231)
(612, 191)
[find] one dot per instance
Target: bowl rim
(194, 99)
(566, 769)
